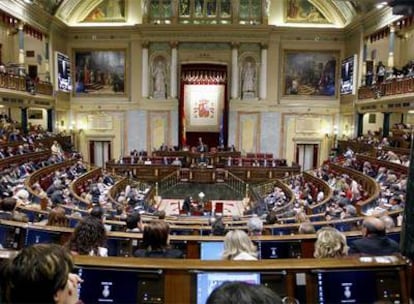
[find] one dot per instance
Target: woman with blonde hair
(238, 246)
(330, 243)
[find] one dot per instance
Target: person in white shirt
(56, 149)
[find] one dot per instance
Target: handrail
(91, 174)
(368, 183)
(168, 182)
(383, 163)
(317, 208)
(35, 177)
(236, 184)
(263, 189)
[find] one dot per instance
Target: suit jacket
(374, 245)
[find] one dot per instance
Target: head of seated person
(271, 218)
(243, 293)
(7, 206)
(88, 238)
(238, 246)
(217, 226)
(155, 242)
(40, 274)
(255, 225)
(97, 212)
(330, 243)
(388, 222)
(134, 222)
(57, 217)
(306, 228)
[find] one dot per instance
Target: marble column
(145, 70)
(391, 47)
(360, 124)
(24, 120)
(46, 61)
(386, 124)
(234, 71)
(173, 70)
(263, 73)
(50, 119)
(21, 50)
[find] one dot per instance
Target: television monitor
(9, 237)
(358, 286)
(211, 250)
(278, 249)
(208, 281)
(35, 236)
(105, 285)
(119, 246)
(63, 72)
(348, 75)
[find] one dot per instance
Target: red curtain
(203, 74)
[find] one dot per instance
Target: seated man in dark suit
(187, 204)
(201, 146)
(202, 160)
(374, 241)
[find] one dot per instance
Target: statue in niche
(159, 78)
(249, 80)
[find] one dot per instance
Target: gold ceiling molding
(339, 13)
(333, 12)
(73, 12)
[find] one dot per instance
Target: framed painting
(100, 72)
(310, 73)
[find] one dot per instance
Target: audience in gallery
(330, 243)
(155, 242)
(374, 240)
(238, 246)
(243, 293)
(88, 238)
(40, 274)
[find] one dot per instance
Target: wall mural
(99, 72)
(310, 73)
(108, 11)
(302, 11)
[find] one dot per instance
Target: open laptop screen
(211, 250)
(208, 281)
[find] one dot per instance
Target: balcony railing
(387, 88)
(19, 83)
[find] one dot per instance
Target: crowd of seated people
(346, 194)
(275, 199)
(392, 185)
